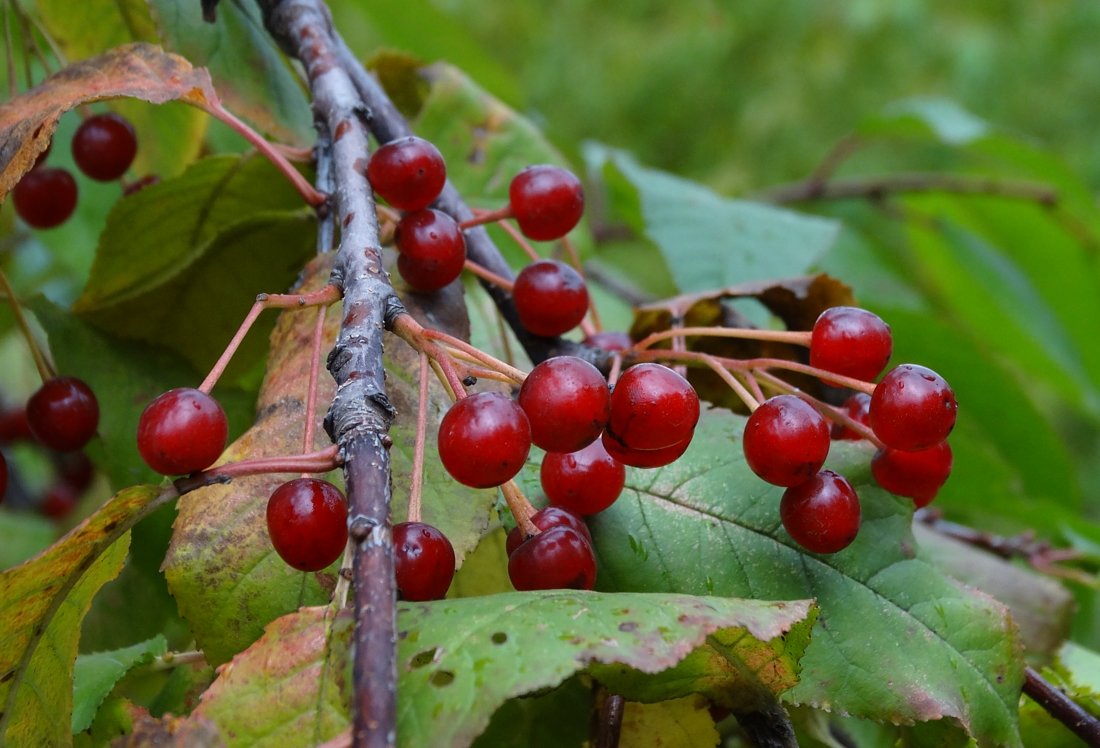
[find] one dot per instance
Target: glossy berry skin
(45, 197)
(913, 408)
(609, 340)
(858, 408)
(424, 561)
(551, 298)
(432, 249)
(182, 431)
(558, 558)
(104, 146)
(786, 441)
(821, 514)
(851, 341)
(916, 475)
(484, 440)
(652, 407)
(307, 520)
(409, 173)
(584, 482)
(544, 519)
(63, 413)
(567, 401)
(645, 458)
(546, 201)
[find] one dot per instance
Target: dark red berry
(567, 401)
(544, 519)
(76, 470)
(584, 482)
(652, 407)
(484, 440)
(547, 202)
(786, 441)
(432, 249)
(63, 413)
(424, 561)
(59, 501)
(307, 520)
(104, 146)
(609, 341)
(858, 408)
(850, 341)
(409, 173)
(45, 197)
(182, 431)
(917, 475)
(551, 298)
(645, 458)
(558, 558)
(821, 514)
(913, 408)
(14, 426)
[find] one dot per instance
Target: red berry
(484, 440)
(584, 482)
(63, 413)
(547, 201)
(821, 514)
(913, 408)
(567, 401)
(182, 431)
(551, 298)
(432, 249)
(850, 341)
(307, 519)
(424, 561)
(59, 501)
(14, 426)
(409, 173)
(645, 458)
(858, 408)
(45, 197)
(652, 407)
(917, 475)
(76, 470)
(786, 441)
(104, 146)
(544, 519)
(609, 341)
(558, 558)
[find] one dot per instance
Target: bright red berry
(104, 146)
(652, 407)
(850, 341)
(584, 482)
(821, 514)
(567, 401)
(432, 249)
(544, 519)
(484, 440)
(917, 475)
(645, 458)
(63, 413)
(424, 561)
(609, 340)
(182, 431)
(551, 298)
(45, 197)
(558, 558)
(307, 520)
(547, 201)
(786, 441)
(913, 408)
(858, 408)
(409, 173)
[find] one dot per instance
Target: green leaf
(95, 676)
(554, 719)
(906, 643)
(942, 119)
(42, 603)
(707, 240)
(22, 535)
(1077, 673)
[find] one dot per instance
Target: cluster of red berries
(104, 146)
(62, 415)
(912, 410)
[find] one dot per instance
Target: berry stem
(746, 397)
(169, 660)
(45, 370)
(593, 312)
(826, 410)
(311, 388)
(311, 462)
(489, 276)
(416, 487)
(759, 364)
(482, 217)
(420, 338)
(796, 337)
(471, 353)
(520, 507)
(323, 296)
(520, 239)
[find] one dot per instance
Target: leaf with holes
(896, 640)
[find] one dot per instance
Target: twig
(873, 188)
(611, 722)
(1062, 708)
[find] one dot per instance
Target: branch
(1062, 708)
(875, 188)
